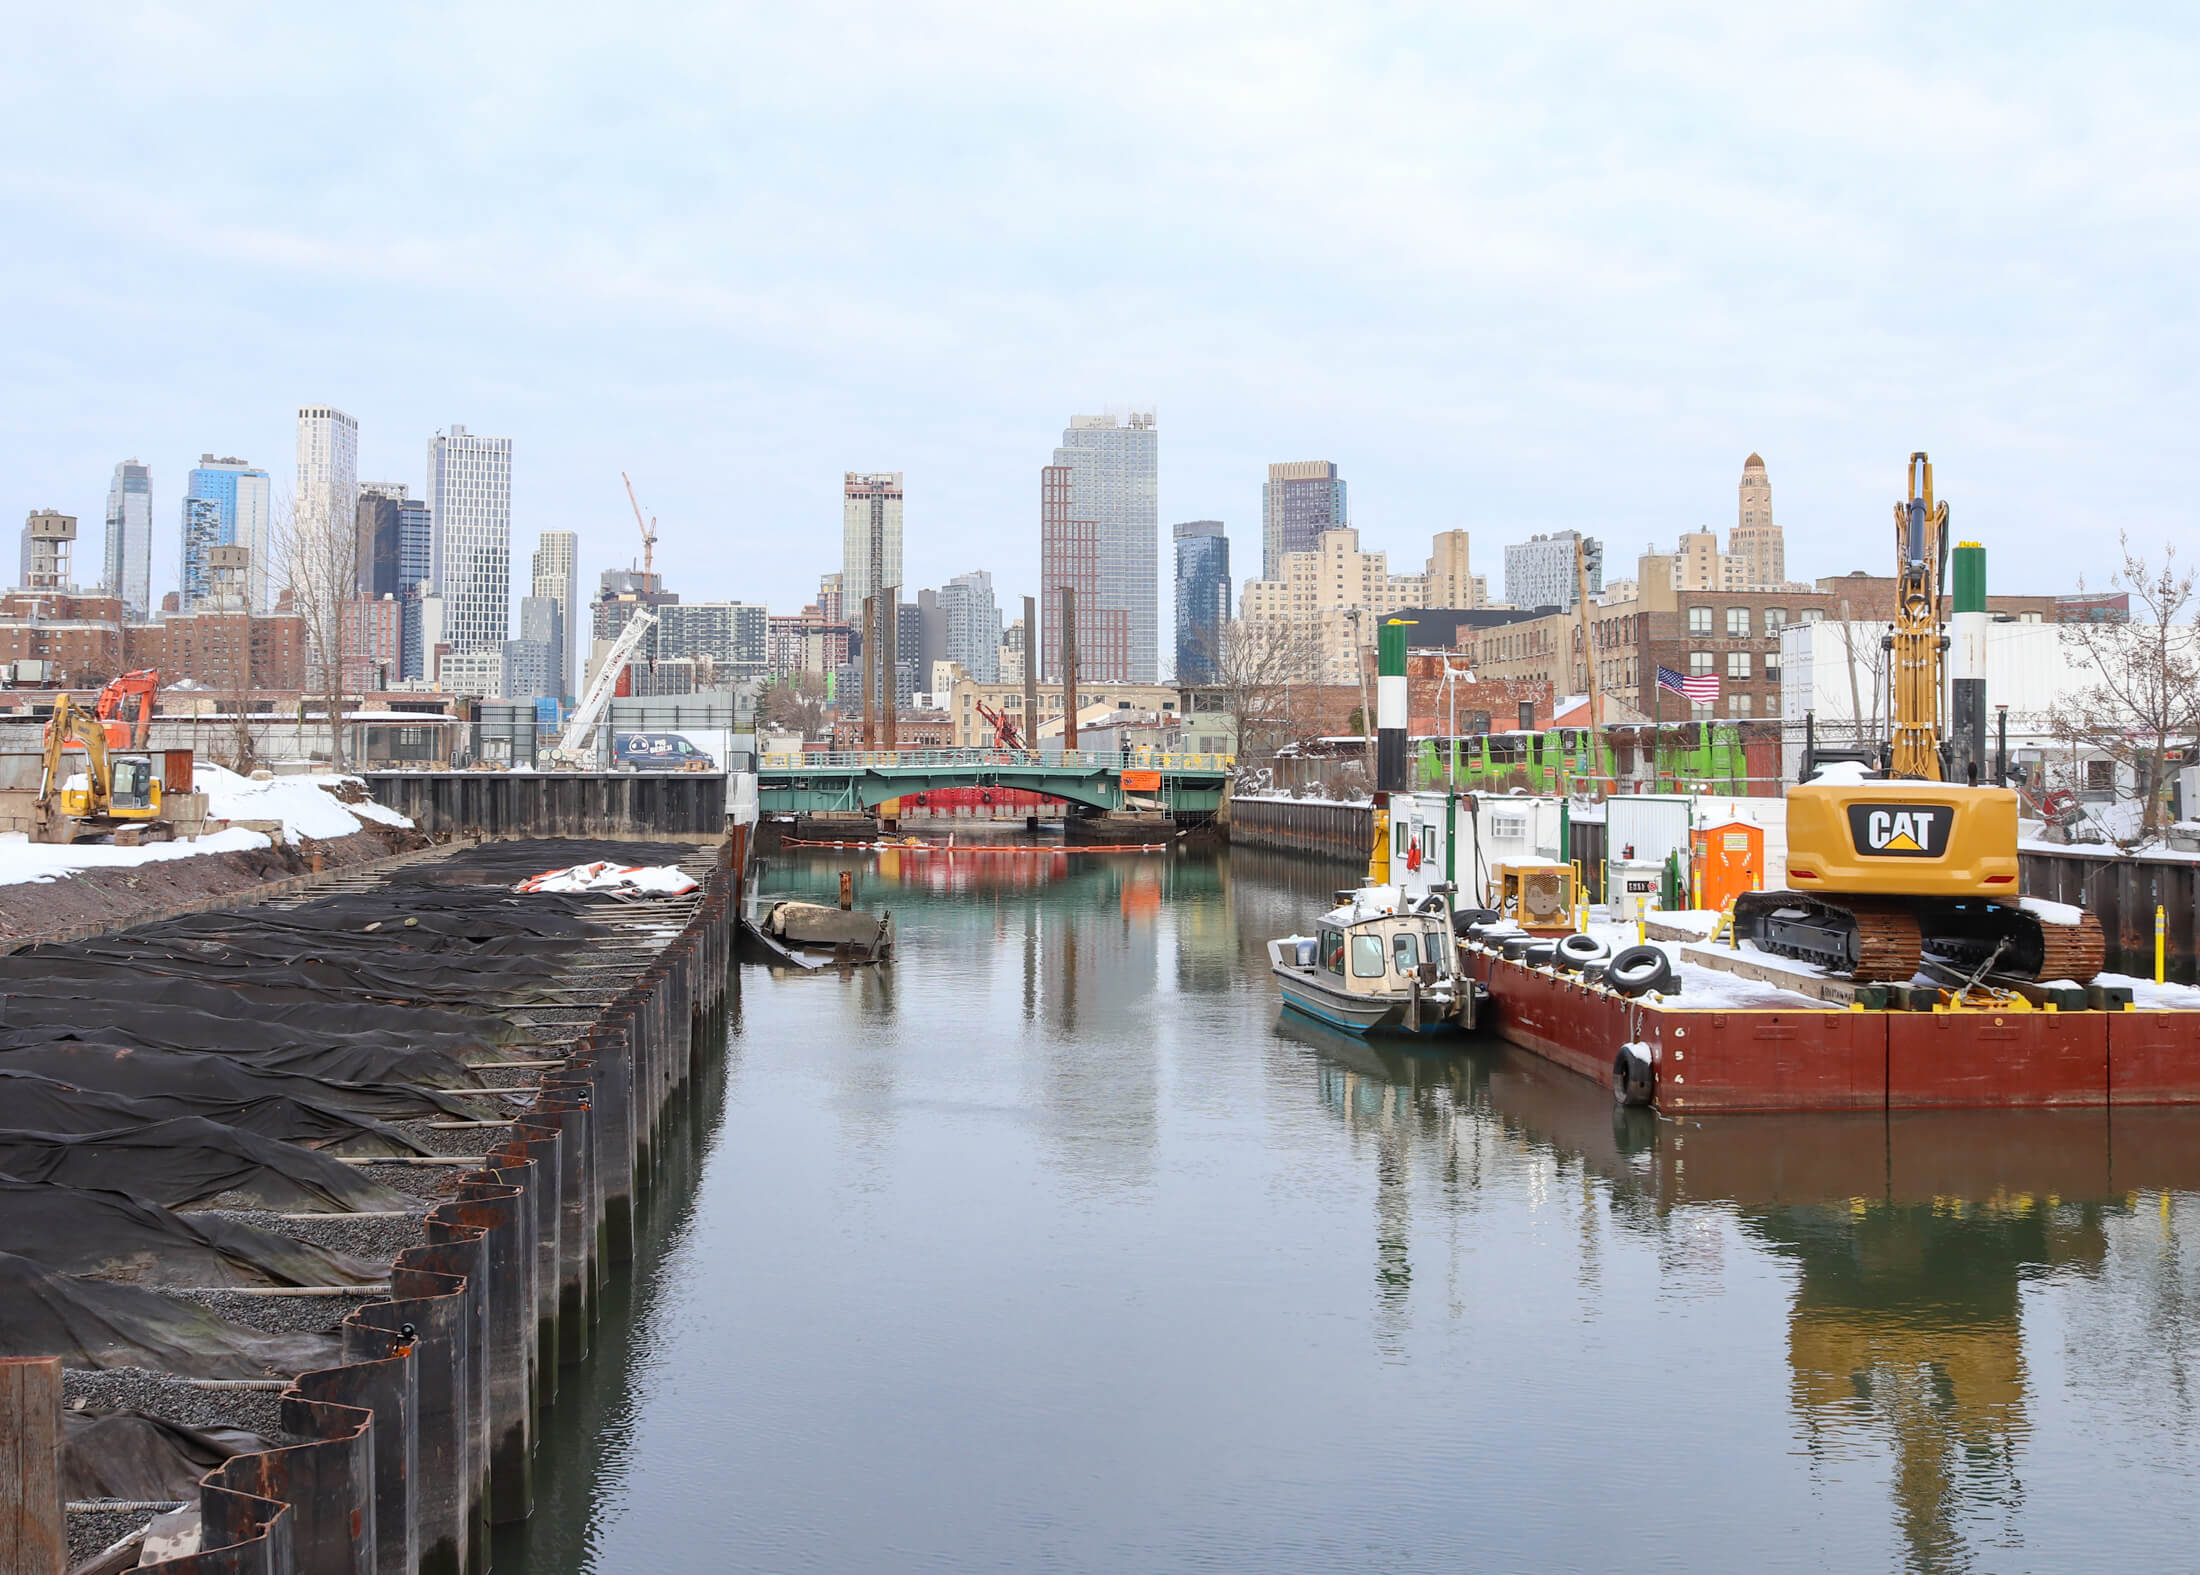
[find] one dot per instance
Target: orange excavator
(125, 708)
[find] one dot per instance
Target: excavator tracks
(2071, 951)
(1868, 939)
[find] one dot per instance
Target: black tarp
(131, 1070)
(343, 1063)
(103, 1234)
(88, 1323)
(191, 1160)
(129, 1455)
(31, 1103)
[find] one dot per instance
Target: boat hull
(1361, 1014)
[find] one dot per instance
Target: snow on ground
(23, 860)
(2145, 992)
(302, 803)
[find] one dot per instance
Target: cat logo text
(1901, 831)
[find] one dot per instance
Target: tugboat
(1381, 961)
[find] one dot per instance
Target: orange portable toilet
(1730, 860)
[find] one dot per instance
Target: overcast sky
(1515, 268)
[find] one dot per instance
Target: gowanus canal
(1052, 1246)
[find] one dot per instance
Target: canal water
(1054, 1247)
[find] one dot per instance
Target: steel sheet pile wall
(556, 803)
(1340, 831)
(419, 1433)
(2124, 894)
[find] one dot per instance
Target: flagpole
(1657, 712)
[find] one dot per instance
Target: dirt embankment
(100, 896)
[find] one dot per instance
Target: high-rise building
(1099, 534)
(1301, 499)
(870, 536)
(239, 518)
(1202, 598)
(1331, 600)
(557, 576)
(1452, 581)
(973, 636)
(1539, 572)
(1756, 540)
(531, 660)
(328, 476)
(49, 542)
(728, 640)
(470, 507)
(130, 538)
(380, 528)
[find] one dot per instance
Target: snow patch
(22, 860)
(2058, 913)
(1844, 771)
(303, 804)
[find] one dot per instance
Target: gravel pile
(377, 1238)
(178, 1400)
(94, 1531)
(451, 1140)
(433, 1183)
(516, 1077)
(278, 1314)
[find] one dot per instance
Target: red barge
(1725, 1058)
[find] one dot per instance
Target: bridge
(857, 781)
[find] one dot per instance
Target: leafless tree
(2137, 699)
(320, 557)
(1863, 652)
(794, 703)
(1266, 670)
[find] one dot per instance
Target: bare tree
(320, 556)
(1866, 729)
(794, 703)
(1269, 673)
(2138, 695)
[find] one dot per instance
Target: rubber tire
(1579, 956)
(1465, 919)
(1541, 954)
(1633, 1083)
(1655, 971)
(1515, 946)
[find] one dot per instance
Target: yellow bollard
(2161, 940)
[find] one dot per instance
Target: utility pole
(870, 666)
(1589, 652)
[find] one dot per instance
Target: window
(1332, 950)
(1811, 615)
(1405, 952)
(1737, 623)
(1776, 619)
(1737, 664)
(1699, 663)
(2030, 617)
(2100, 776)
(1699, 620)
(1367, 957)
(1439, 950)
(1743, 705)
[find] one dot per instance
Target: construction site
(311, 1197)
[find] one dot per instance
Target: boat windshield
(1405, 952)
(1439, 950)
(1333, 950)
(1367, 957)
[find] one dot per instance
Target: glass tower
(129, 571)
(1100, 534)
(238, 518)
(1202, 598)
(1301, 499)
(470, 509)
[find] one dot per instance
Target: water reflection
(1057, 1245)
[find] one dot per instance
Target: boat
(1382, 961)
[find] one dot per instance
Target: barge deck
(1784, 1052)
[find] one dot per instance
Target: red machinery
(125, 708)
(1005, 735)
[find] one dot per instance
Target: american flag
(1700, 688)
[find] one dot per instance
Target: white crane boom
(598, 699)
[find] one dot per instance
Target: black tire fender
(1634, 1082)
(1578, 951)
(1640, 969)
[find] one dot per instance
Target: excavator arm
(1916, 644)
(71, 723)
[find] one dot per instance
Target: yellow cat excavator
(1885, 874)
(118, 790)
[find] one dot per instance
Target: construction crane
(570, 750)
(649, 529)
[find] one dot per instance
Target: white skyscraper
(328, 481)
(470, 513)
(557, 578)
(870, 537)
(130, 537)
